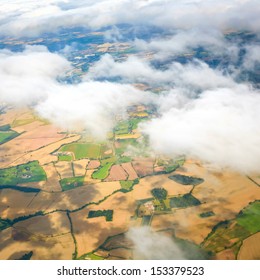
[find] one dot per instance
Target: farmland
(81, 195)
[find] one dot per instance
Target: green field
(83, 150)
(24, 173)
(6, 136)
(108, 214)
(65, 158)
(250, 217)
(103, 171)
(184, 201)
(71, 183)
(246, 224)
(128, 185)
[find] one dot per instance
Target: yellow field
(250, 249)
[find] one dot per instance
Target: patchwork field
(64, 196)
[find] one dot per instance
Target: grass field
(71, 183)
(250, 217)
(6, 136)
(83, 150)
(24, 173)
(128, 185)
(65, 158)
(103, 171)
(184, 201)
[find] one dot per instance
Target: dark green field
(108, 214)
(184, 201)
(186, 180)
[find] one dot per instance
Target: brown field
(14, 204)
(93, 164)
(226, 255)
(250, 249)
(48, 237)
(64, 168)
(78, 197)
(13, 114)
(143, 167)
(117, 173)
(186, 223)
(80, 167)
(37, 137)
(130, 170)
(43, 155)
(91, 233)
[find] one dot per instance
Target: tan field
(64, 169)
(148, 183)
(48, 237)
(117, 173)
(186, 223)
(14, 204)
(226, 255)
(250, 249)
(130, 170)
(91, 233)
(43, 155)
(38, 136)
(79, 167)
(78, 197)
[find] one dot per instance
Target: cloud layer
(33, 17)
(30, 78)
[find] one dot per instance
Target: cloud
(30, 78)
(149, 245)
(221, 127)
(136, 70)
(27, 76)
(90, 105)
(33, 17)
(252, 57)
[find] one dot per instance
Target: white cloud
(136, 70)
(150, 245)
(33, 17)
(30, 78)
(220, 127)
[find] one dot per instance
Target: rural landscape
(129, 139)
